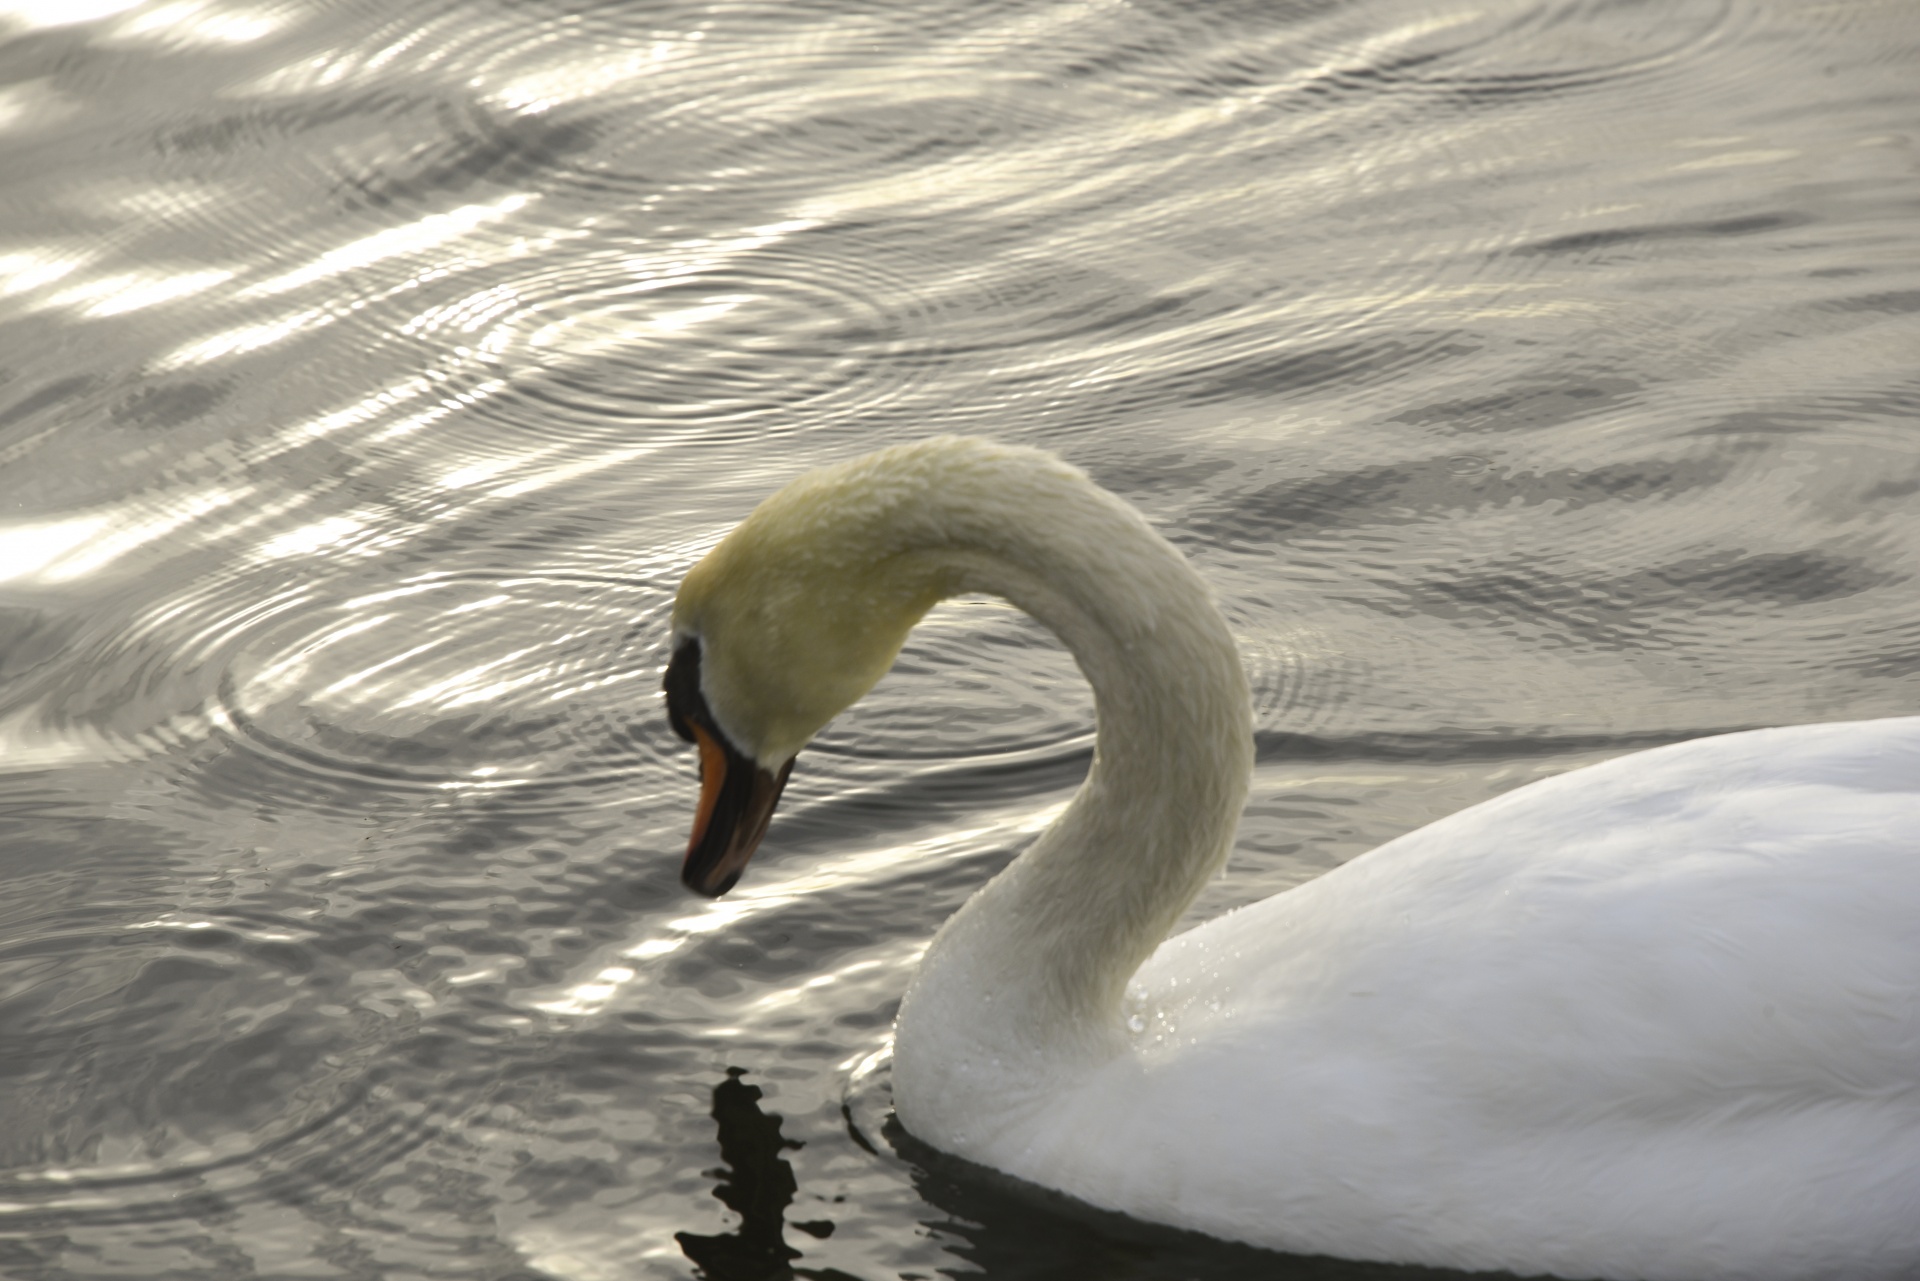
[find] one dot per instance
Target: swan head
(789, 620)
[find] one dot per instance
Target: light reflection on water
(1533, 381)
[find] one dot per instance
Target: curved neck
(1040, 957)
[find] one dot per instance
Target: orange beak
(736, 795)
(736, 804)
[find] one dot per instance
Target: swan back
(1651, 1018)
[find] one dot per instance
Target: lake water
(1535, 380)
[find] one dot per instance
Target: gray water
(1535, 380)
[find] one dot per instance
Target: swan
(1654, 1018)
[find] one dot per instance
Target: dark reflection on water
(758, 1185)
(1013, 1231)
(1533, 380)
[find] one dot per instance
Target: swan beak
(736, 803)
(737, 795)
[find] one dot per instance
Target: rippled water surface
(1534, 379)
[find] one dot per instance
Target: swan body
(1657, 1018)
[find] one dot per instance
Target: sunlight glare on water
(1534, 381)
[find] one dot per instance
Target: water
(1535, 381)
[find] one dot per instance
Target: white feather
(1656, 1018)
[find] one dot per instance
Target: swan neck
(1046, 949)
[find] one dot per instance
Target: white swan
(1657, 1018)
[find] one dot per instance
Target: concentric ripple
(977, 680)
(523, 689)
(760, 330)
(1560, 45)
(243, 1066)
